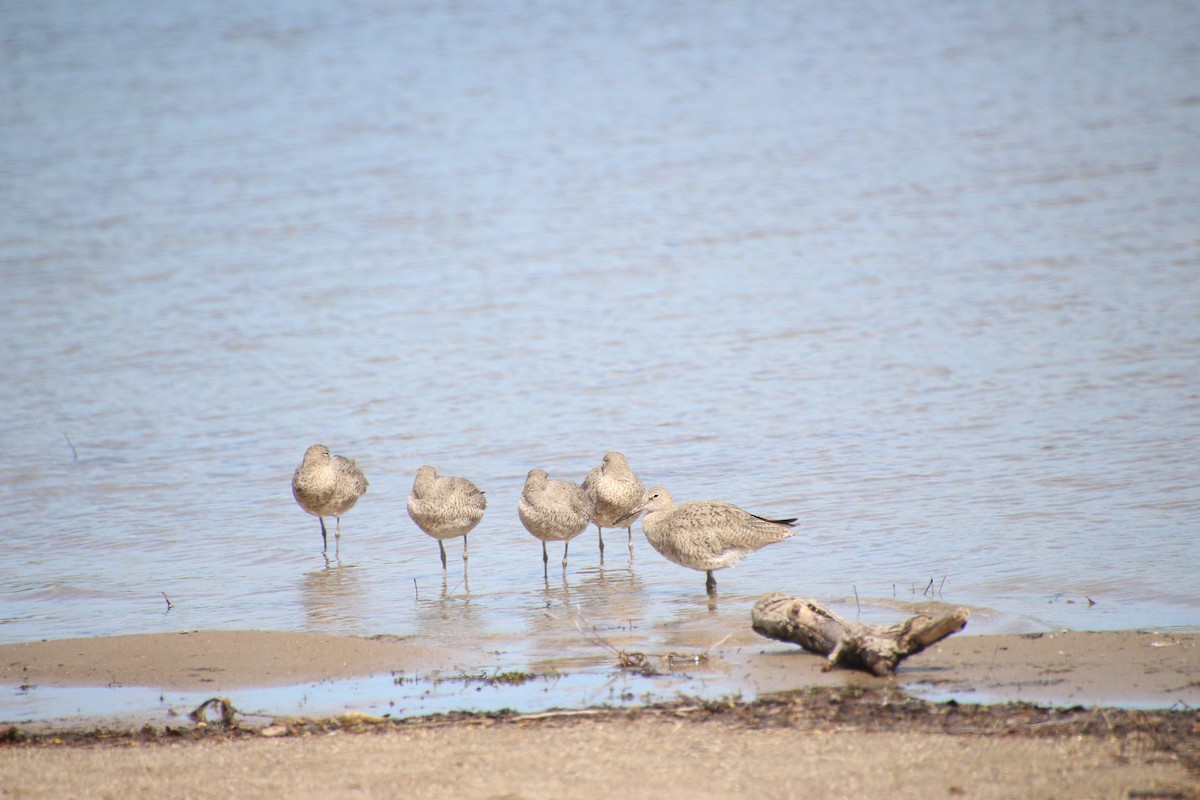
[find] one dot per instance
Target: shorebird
(553, 511)
(327, 486)
(445, 507)
(706, 534)
(615, 490)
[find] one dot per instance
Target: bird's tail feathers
(788, 522)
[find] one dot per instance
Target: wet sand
(810, 733)
(217, 660)
(1146, 669)
(1123, 668)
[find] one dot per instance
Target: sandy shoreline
(1146, 669)
(810, 733)
(825, 744)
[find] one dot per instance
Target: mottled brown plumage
(445, 507)
(615, 490)
(326, 486)
(706, 534)
(553, 511)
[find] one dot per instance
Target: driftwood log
(874, 648)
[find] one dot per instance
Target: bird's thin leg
(545, 562)
(466, 553)
(710, 584)
(442, 553)
(324, 540)
(630, 529)
(600, 533)
(566, 546)
(337, 538)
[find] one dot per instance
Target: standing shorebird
(553, 511)
(706, 534)
(327, 486)
(445, 507)
(615, 490)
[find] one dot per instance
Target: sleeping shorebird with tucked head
(553, 511)
(706, 534)
(327, 486)
(445, 507)
(615, 490)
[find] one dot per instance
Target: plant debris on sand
(1171, 733)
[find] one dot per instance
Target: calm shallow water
(929, 282)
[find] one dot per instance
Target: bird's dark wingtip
(788, 522)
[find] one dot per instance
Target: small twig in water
(74, 454)
(579, 712)
(416, 593)
(718, 644)
(940, 585)
(857, 605)
(927, 588)
(170, 605)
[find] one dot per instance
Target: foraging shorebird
(445, 507)
(326, 486)
(706, 534)
(615, 490)
(553, 511)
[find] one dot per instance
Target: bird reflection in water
(461, 588)
(449, 612)
(334, 595)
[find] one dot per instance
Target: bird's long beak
(633, 513)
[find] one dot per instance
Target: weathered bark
(874, 648)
